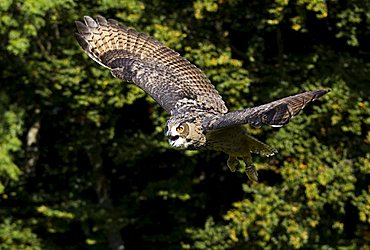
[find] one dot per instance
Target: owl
(199, 118)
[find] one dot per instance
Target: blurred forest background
(84, 163)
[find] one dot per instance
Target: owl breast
(236, 142)
(231, 140)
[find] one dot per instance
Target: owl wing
(276, 114)
(136, 57)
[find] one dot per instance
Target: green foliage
(10, 129)
(83, 160)
(15, 235)
(212, 237)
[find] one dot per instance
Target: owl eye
(180, 129)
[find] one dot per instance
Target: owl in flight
(199, 118)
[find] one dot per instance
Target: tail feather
(259, 147)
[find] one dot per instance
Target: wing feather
(139, 58)
(276, 114)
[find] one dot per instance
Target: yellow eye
(180, 129)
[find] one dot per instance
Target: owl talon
(232, 162)
(252, 173)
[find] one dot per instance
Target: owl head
(184, 133)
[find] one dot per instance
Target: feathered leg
(250, 169)
(232, 162)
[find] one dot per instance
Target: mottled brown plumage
(199, 118)
(138, 58)
(275, 114)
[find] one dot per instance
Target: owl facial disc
(174, 137)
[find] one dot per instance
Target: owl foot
(250, 169)
(232, 162)
(251, 172)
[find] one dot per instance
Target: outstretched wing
(276, 114)
(135, 57)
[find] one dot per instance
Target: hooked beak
(173, 138)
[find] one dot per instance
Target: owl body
(234, 141)
(199, 118)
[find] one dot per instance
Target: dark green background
(84, 163)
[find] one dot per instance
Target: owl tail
(258, 147)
